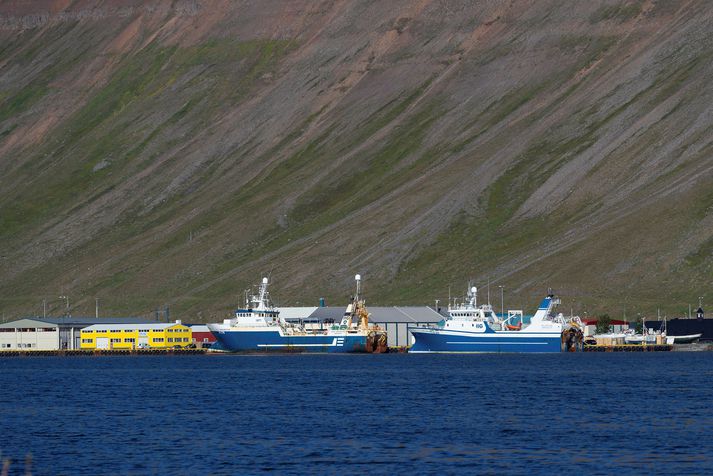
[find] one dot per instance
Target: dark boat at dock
(686, 326)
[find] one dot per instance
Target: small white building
(33, 334)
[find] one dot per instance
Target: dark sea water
(359, 414)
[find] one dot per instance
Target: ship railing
(512, 315)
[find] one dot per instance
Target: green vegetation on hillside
(153, 158)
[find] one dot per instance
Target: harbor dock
(628, 348)
(98, 352)
(694, 347)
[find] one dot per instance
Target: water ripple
(396, 414)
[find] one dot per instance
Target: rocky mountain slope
(157, 153)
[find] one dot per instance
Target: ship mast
(473, 297)
(361, 311)
(356, 308)
(263, 295)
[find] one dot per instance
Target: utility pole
(44, 308)
(97, 307)
(502, 300)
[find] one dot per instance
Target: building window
(88, 332)
(130, 340)
(158, 339)
(87, 341)
(116, 341)
(114, 331)
(8, 329)
(170, 339)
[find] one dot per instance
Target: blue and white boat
(258, 327)
(473, 328)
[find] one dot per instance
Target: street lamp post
(64, 345)
(66, 311)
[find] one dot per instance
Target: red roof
(614, 322)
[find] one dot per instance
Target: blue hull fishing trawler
(258, 327)
(472, 328)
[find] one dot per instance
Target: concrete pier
(628, 348)
(98, 352)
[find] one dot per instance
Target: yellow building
(136, 336)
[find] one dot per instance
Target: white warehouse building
(395, 320)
